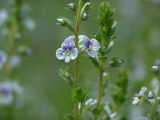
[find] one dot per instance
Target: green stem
(155, 104)
(100, 89)
(77, 25)
(10, 47)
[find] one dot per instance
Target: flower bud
(71, 6)
(150, 95)
(84, 16)
(155, 70)
(61, 21)
(111, 44)
(142, 91)
(65, 23)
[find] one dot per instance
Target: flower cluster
(69, 51)
(7, 90)
(143, 94)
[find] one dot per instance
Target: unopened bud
(155, 69)
(150, 95)
(71, 6)
(84, 16)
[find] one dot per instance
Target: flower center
(87, 43)
(68, 52)
(90, 47)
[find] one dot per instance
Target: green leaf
(64, 74)
(79, 94)
(68, 117)
(98, 109)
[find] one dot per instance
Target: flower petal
(92, 53)
(60, 54)
(67, 59)
(69, 42)
(74, 54)
(84, 42)
(95, 44)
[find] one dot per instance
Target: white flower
(90, 102)
(142, 91)
(90, 46)
(67, 52)
(15, 61)
(136, 100)
(3, 16)
(29, 24)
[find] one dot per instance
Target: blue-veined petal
(95, 44)
(92, 53)
(84, 42)
(74, 54)
(68, 43)
(67, 59)
(60, 54)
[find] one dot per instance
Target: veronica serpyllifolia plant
(97, 49)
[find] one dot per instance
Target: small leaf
(79, 94)
(68, 117)
(64, 74)
(98, 109)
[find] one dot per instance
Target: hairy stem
(100, 88)
(155, 104)
(10, 47)
(77, 25)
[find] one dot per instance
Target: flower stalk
(100, 88)
(155, 104)
(77, 25)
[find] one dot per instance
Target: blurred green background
(46, 96)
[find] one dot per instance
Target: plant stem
(100, 89)
(155, 104)
(10, 47)
(77, 25)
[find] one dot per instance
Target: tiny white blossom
(90, 102)
(68, 51)
(136, 100)
(142, 91)
(3, 16)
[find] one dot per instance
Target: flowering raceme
(68, 50)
